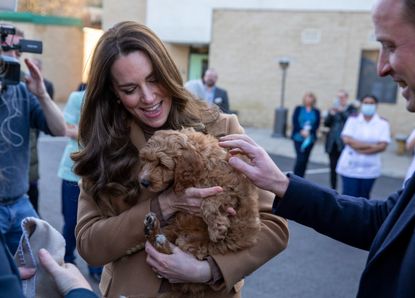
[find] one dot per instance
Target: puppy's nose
(144, 183)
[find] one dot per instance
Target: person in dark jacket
(385, 228)
(335, 120)
(305, 123)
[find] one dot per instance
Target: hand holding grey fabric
(67, 277)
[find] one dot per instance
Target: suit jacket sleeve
(225, 104)
(272, 238)
(81, 293)
(295, 121)
(354, 221)
(10, 284)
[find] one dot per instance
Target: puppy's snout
(145, 183)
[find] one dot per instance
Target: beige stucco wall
(180, 55)
(246, 46)
(62, 56)
(123, 10)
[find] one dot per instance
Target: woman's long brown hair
(107, 161)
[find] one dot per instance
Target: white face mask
(368, 109)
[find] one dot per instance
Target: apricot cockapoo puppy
(179, 159)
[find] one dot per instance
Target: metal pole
(284, 70)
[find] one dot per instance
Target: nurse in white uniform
(365, 137)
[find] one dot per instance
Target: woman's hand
(305, 133)
(179, 267)
(188, 202)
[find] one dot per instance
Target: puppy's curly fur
(186, 158)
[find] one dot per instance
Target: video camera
(10, 66)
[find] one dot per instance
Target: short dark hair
(409, 11)
(370, 96)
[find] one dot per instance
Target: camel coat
(117, 241)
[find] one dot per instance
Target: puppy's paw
(162, 244)
(151, 225)
(219, 229)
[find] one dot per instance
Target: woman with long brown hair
(133, 90)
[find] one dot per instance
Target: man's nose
(383, 67)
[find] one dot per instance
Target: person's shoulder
(76, 96)
(383, 119)
(228, 117)
(225, 124)
(219, 89)
(353, 118)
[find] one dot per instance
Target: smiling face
(397, 37)
(139, 91)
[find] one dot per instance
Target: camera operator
(22, 106)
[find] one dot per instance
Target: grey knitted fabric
(39, 234)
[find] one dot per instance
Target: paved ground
(312, 266)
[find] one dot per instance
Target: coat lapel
(397, 221)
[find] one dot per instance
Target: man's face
(210, 78)
(397, 55)
(342, 98)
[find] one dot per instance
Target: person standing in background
(365, 137)
(70, 189)
(207, 90)
(335, 120)
(305, 123)
(24, 106)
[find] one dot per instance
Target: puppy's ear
(189, 167)
(166, 160)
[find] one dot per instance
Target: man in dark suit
(385, 228)
(214, 94)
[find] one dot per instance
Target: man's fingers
(239, 164)
(233, 137)
(238, 144)
(26, 273)
(48, 262)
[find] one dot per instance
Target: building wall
(180, 55)
(173, 22)
(123, 10)
(324, 49)
(62, 56)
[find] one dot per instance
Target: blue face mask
(368, 109)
